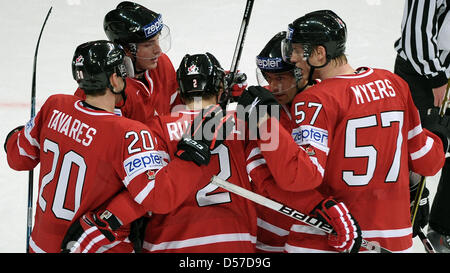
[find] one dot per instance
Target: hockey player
(87, 155)
(284, 80)
(362, 128)
(146, 39)
(211, 219)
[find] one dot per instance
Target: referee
(423, 60)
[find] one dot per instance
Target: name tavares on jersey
(372, 91)
(65, 124)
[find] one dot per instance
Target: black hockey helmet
(199, 75)
(322, 27)
(270, 58)
(131, 23)
(94, 62)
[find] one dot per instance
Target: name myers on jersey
(310, 135)
(372, 91)
(141, 162)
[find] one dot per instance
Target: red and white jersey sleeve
(274, 227)
(162, 85)
(211, 219)
(364, 131)
(86, 157)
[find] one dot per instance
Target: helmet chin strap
(311, 72)
(121, 92)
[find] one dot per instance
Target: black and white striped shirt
(425, 38)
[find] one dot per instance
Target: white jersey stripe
(415, 131)
(390, 233)
(205, 240)
(35, 247)
(145, 192)
(254, 164)
(22, 152)
(269, 248)
(296, 249)
(272, 228)
(424, 150)
(254, 152)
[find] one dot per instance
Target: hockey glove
(257, 102)
(18, 128)
(192, 150)
(92, 232)
(238, 85)
(347, 233)
(207, 131)
(438, 125)
(423, 211)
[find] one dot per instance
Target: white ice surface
(196, 27)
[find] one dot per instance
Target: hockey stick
(426, 243)
(238, 50)
(282, 208)
(417, 198)
(33, 113)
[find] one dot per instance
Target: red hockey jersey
(137, 105)
(211, 219)
(162, 84)
(364, 131)
(87, 155)
(273, 227)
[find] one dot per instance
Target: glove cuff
(18, 128)
(113, 222)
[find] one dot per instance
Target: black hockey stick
(426, 243)
(238, 51)
(282, 208)
(33, 113)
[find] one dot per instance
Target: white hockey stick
(282, 208)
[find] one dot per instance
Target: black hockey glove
(207, 131)
(18, 128)
(257, 102)
(423, 211)
(192, 150)
(438, 125)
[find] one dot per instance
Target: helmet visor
(161, 42)
(165, 40)
(286, 50)
(127, 69)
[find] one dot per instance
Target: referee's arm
(418, 41)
